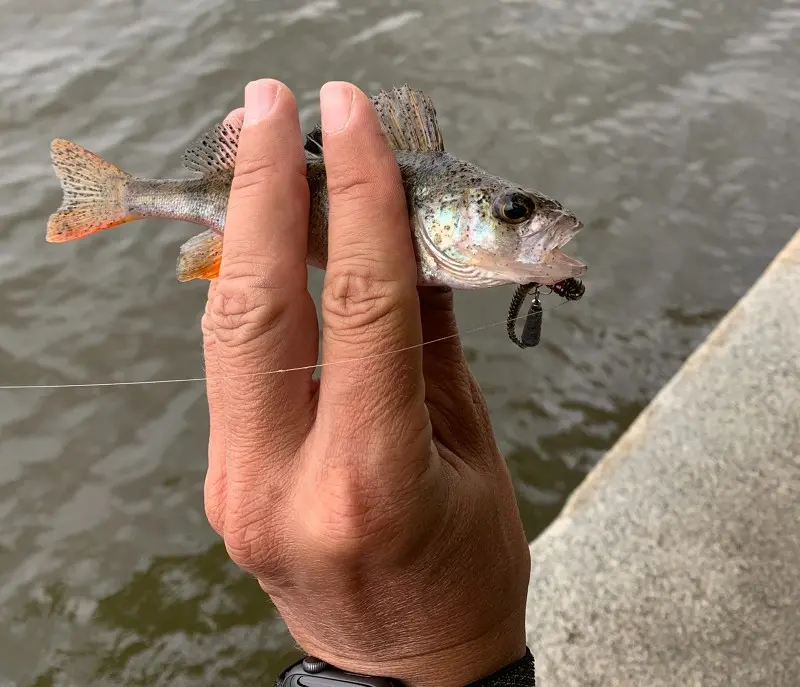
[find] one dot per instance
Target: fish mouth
(554, 267)
(542, 260)
(559, 231)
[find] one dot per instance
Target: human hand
(372, 506)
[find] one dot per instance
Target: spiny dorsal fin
(409, 120)
(407, 117)
(215, 151)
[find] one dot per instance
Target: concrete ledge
(677, 561)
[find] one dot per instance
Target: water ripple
(667, 125)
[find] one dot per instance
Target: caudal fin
(94, 193)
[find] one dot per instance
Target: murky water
(669, 126)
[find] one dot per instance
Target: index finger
(370, 308)
(262, 314)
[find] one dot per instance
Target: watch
(313, 672)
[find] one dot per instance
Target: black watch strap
(521, 673)
(312, 672)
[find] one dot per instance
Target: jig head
(571, 289)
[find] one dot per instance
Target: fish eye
(514, 207)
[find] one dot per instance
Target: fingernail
(259, 99)
(336, 103)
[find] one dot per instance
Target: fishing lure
(570, 289)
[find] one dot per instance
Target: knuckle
(355, 512)
(365, 171)
(241, 316)
(252, 175)
(252, 545)
(207, 326)
(245, 269)
(348, 184)
(214, 507)
(349, 522)
(285, 180)
(355, 297)
(214, 498)
(256, 534)
(240, 543)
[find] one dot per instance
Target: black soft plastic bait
(571, 289)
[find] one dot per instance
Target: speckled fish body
(470, 229)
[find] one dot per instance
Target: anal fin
(200, 257)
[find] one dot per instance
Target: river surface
(669, 126)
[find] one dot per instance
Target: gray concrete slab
(677, 561)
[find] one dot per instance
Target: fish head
(493, 232)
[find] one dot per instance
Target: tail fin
(94, 193)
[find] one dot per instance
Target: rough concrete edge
(636, 432)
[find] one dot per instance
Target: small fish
(470, 229)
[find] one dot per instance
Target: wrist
(454, 666)
(467, 664)
(520, 673)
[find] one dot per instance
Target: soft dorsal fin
(409, 120)
(215, 151)
(407, 117)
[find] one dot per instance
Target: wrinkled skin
(373, 506)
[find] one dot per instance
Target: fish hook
(570, 289)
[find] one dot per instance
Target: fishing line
(188, 380)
